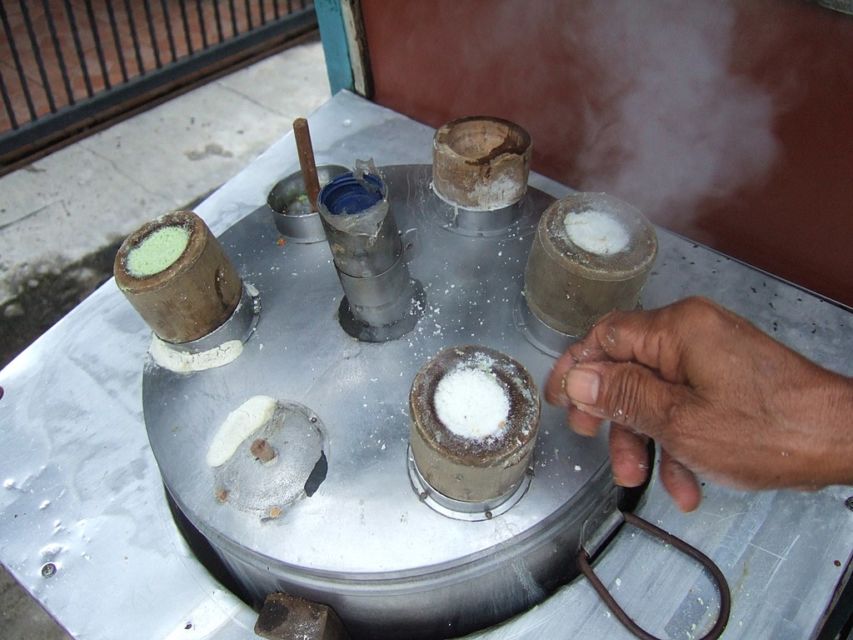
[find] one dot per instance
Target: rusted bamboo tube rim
(481, 163)
(591, 254)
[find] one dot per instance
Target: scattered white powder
(471, 403)
(496, 194)
(183, 362)
(157, 251)
(489, 196)
(597, 232)
(239, 425)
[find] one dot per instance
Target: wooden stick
(306, 160)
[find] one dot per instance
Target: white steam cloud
(673, 123)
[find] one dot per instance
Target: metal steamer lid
(361, 523)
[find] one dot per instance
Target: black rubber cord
(717, 575)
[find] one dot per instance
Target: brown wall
(728, 122)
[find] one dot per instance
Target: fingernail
(581, 385)
(560, 398)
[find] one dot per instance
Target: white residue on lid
(237, 426)
(471, 403)
(597, 232)
(183, 362)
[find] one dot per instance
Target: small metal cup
(290, 209)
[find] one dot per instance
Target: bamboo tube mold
(176, 275)
(474, 422)
(481, 163)
(591, 253)
(291, 209)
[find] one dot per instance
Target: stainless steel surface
(266, 488)
(239, 326)
(383, 534)
(360, 391)
(487, 223)
(603, 524)
(383, 299)
(390, 322)
(461, 510)
(80, 487)
(540, 335)
(471, 222)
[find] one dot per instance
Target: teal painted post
(334, 36)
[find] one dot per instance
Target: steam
(674, 124)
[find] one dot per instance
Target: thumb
(627, 393)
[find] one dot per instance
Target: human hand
(722, 399)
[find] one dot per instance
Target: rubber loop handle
(717, 575)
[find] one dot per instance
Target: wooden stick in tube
(306, 160)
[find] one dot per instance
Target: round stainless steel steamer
(365, 542)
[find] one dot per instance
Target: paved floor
(62, 217)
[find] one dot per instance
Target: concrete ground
(63, 217)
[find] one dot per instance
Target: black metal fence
(68, 65)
